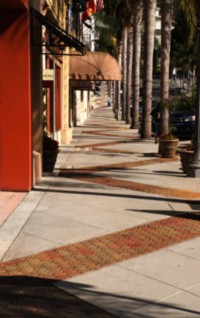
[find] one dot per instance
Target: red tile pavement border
(8, 202)
(140, 163)
(88, 175)
(106, 128)
(79, 258)
(136, 186)
(107, 150)
(109, 143)
(122, 165)
(104, 133)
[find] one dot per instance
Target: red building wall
(15, 97)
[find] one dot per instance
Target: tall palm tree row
(143, 12)
(128, 10)
(184, 44)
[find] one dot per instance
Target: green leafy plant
(168, 136)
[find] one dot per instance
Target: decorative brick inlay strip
(110, 143)
(103, 133)
(123, 165)
(106, 150)
(87, 175)
(135, 186)
(93, 254)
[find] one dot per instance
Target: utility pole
(194, 167)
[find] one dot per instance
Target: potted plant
(168, 145)
(186, 154)
(50, 152)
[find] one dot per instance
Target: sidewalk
(114, 232)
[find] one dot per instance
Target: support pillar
(15, 98)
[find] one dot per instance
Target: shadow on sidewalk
(27, 297)
(194, 204)
(32, 297)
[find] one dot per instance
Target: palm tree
(118, 84)
(124, 70)
(108, 25)
(189, 10)
(184, 45)
(114, 18)
(166, 26)
(137, 32)
(125, 17)
(129, 69)
(193, 19)
(135, 7)
(125, 9)
(149, 29)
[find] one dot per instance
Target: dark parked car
(182, 123)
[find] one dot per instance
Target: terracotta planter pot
(167, 148)
(185, 158)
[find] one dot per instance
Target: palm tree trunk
(124, 67)
(138, 13)
(166, 21)
(118, 86)
(129, 71)
(109, 90)
(149, 29)
(114, 96)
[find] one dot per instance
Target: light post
(194, 167)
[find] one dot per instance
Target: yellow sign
(48, 75)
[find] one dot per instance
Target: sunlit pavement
(8, 202)
(115, 225)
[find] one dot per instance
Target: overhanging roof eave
(69, 40)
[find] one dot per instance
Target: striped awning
(94, 66)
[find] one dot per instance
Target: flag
(90, 10)
(99, 5)
(92, 7)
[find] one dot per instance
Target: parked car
(182, 123)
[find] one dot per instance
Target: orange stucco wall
(15, 100)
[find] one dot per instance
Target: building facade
(34, 85)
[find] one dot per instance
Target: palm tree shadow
(33, 297)
(186, 215)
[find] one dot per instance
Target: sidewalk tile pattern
(8, 202)
(87, 175)
(79, 258)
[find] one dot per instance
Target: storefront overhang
(94, 66)
(58, 38)
(82, 85)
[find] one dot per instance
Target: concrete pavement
(115, 225)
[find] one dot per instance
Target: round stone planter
(167, 148)
(185, 158)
